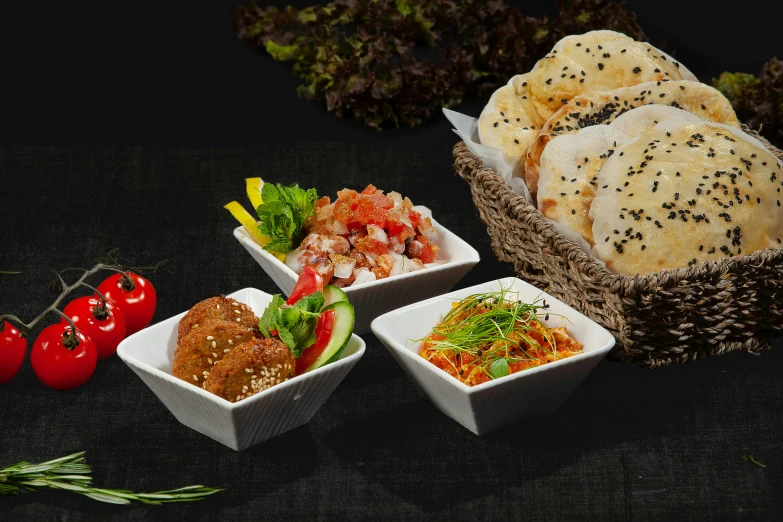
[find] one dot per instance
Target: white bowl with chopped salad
(381, 249)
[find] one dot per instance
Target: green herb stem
(71, 473)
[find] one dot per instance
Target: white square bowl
(242, 424)
(501, 402)
(377, 297)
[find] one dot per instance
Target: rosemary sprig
(72, 473)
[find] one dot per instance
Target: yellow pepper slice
(249, 222)
(253, 187)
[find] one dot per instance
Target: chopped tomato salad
(364, 236)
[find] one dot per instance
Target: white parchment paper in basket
(466, 127)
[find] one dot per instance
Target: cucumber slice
(333, 294)
(341, 332)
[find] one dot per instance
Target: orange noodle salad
(491, 335)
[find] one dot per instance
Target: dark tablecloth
(178, 141)
(629, 442)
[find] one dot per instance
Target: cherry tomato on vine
(61, 360)
(134, 296)
(105, 326)
(12, 349)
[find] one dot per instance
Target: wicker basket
(677, 315)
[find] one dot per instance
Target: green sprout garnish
(496, 328)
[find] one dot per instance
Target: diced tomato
(394, 227)
(428, 250)
(342, 210)
(371, 189)
(323, 332)
(354, 225)
(308, 283)
(383, 201)
(377, 247)
(369, 212)
(407, 232)
(415, 218)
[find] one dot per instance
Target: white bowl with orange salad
(494, 354)
(383, 251)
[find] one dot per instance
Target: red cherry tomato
(59, 366)
(105, 327)
(323, 332)
(136, 301)
(308, 283)
(12, 349)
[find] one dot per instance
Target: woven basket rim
(628, 285)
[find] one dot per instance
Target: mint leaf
(269, 193)
(305, 200)
(498, 368)
(311, 303)
(295, 325)
(304, 334)
(283, 215)
(287, 338)
(268, 320)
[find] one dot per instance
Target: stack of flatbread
(622, 144)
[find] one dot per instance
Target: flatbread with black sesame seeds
(571, 164)
(596, 61)
(596, 108)
(506, 121)
(717, 195)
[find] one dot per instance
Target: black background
(130, 125)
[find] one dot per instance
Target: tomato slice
(323, 332)
(308, 283)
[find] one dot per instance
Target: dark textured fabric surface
(629, 443)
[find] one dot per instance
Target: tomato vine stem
(65, 290)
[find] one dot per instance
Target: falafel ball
(199, 350)
(249, 368)
(218, 308)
